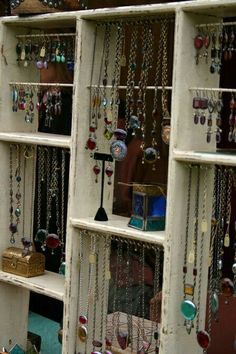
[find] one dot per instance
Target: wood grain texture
(36, 7)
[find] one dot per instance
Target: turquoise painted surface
(47, 329)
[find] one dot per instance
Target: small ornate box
(148, 207)
(15, 262)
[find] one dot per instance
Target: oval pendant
(82, 333)
(151, 155)
(118, 150)
(203, 339)
(41, 235)
(188, 310)
(227, 287)
(214, 303)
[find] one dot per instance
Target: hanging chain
(158, 63)
(196, 222)
(116, 74)
(187, 225)
(63, 166)
(203, 231)
(164, 80)
(131, 76)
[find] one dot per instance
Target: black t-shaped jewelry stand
(101, 214)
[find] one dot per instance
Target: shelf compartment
(118, 226)
(37, 139)
(49, 284)
(220, 157)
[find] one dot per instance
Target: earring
(109, 173)
(96, 170)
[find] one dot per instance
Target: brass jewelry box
(15, 262)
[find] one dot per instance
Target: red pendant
(52, 241)
(108, 342)
(123, 340)
(206, 41)
(91, 144)
(198, 42)
(109, 171)
(83, 319)
(203, 339)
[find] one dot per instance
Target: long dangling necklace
(165, 113)
(188, 307)
(203, 336)
(15, 210)
(29, 169)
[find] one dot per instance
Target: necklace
(29, 170)
(164, 98)
(15, 210)
(188, 307)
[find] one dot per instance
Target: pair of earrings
(108, 172)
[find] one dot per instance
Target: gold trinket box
(15, 262)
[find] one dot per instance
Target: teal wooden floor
(47, 329)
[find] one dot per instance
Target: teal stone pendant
(188, 310)
(214, 303)
(17, 350)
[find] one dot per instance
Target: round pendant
(188, 310)
(118, 150)
(41, 235)
(82, 333)
(52, 241)
(227, 287)
(83, 319)
(151, 155)
(13, 228)
(198, 42)
(120, 134)
(203, 339)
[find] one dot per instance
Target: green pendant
(188, 310)
(214, 303)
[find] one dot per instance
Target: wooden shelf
(227, 158)
(50, 284)
(118, 226)
(37, 139)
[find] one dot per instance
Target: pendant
(118, 147)
(214, 303)
(123, 340)
(151, 155)
(52, 241)
(82, 333)
(188, 310)
(227, 288)
(203, 339)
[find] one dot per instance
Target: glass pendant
(123, 340)
(227, 287)
(118, 147)
(188, 310)
(52, 241)
(151, 155)
(82, 333)
(214, 303)
(203, 339)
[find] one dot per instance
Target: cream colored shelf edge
(49, 284)
(118, 226)
(57, 140)
(213, 158)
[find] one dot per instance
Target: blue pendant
(118, 150)
(188, 310)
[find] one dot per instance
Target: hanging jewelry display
(29, 159)
(118, 147)
(188, 306)
(128, 326)
(153, 149)
(51, 170)
(131, 120)
(15, 190)
(147, 48)
(46, 48)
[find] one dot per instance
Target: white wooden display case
(187, 145)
